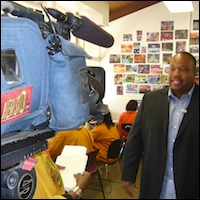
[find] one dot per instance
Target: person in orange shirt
(127, 117)
(80, 136)
(104, 133)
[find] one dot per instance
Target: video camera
(45, 86)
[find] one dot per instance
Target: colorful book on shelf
(74, 159)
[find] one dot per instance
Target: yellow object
(49, 183)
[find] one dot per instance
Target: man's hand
(129, 187)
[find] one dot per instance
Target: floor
(113, 191)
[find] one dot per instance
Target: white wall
(96, 11)
(147, 20)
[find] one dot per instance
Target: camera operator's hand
(82, 181)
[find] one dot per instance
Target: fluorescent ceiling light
(179, 6)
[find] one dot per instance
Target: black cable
(55, 43)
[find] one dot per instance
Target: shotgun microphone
(83, 28)
(91, 32)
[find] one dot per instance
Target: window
(10, 66)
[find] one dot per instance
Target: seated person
(127, 117)
(104, 133)
(80, 136)
(49, 183)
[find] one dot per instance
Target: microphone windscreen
(7, 6)
(91, 32)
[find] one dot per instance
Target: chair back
(91, 165)
(126, 127)
(115, 149)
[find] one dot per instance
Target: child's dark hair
(132, 105)
(107, 119)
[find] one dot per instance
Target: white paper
(70, 150)
(74, 159)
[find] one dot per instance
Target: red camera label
(15, 104)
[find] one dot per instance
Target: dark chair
(114, 152)
(92, 167)
(127, 128)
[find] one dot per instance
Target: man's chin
(176, 89)
(176, 85)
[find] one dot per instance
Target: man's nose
(177, 72)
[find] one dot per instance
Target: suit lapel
(165, 111)
(193, 108)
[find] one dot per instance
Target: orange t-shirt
(103, 138)
(80, 136)
(127, 117)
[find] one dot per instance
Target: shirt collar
(170, 94)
